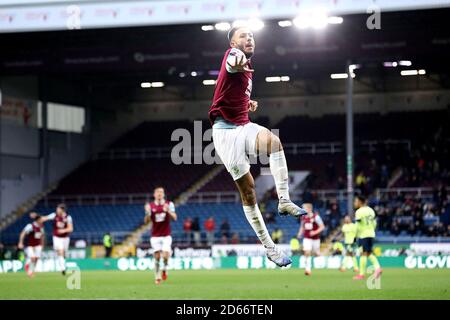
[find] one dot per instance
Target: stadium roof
(163, 53)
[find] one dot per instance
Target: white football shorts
(234, 147)
(312, 245)
(161, 243)
(61, 243)
(34, 252)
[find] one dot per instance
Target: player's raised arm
(237, 62)
(148, 213)
(300, 230)
(171, 211)
(69, 227)
(22, 235)
(48, 217)
(43, 238)
(319, 221)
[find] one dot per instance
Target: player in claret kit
(159, 213)
(34, 232)
(236, 138)
(310, 228)
(62, 228)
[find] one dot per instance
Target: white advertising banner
(430, 248)
(61, 15)
(250, 250)
(177, 252)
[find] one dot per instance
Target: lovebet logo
(430, 262)
(125, 264)
(10, 266)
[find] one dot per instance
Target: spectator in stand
(277, 236)
(224, 239)
(337, 249)
(413, 215)
(7, 253)
(225, 229)
(428, 211)
(269, 217)
(187, 228)
(382, 216)
(2, 251)
(361, 182)
(341, 183)
(384, 176)
(307, 196)
(373, 176)
(331, 172)
(262, 208)
(108, 244)
(412, 229)
(418, 219)
(440, 229)
(334, 214)
(430, 231)
(210, 227)
(18, 254)
(196, 231)
(395, 229)
(442, 195)
(420, 164)
(436, 168)
(235, 238)
(295, 246)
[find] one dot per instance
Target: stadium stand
(91, 222)
(150, 134)
(369, 126)
(409, 215)
(423, 164)
(129, 176)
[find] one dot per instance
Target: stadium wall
(22, 169)
(314, 106)
(21, 157)
(107, 130)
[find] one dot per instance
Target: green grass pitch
(229, 284)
